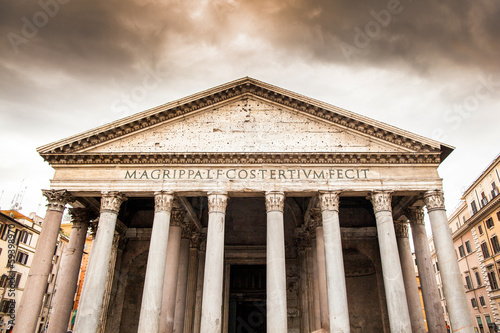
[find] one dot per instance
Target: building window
(478, 278)
(494, 244)
(26, 237)
(484, 200)
(473, 302)
(468, 281)
(6, 305)
(489, 223)
(461, 251)
(473, 207)
(494, 191)
(480, 229)
(22, 258)
(498, 215)
(480, 324)
(437, 266)
(468, 247)
(488, 321)
(493, 280)
(482, 301)
(5, 232)
(15, 278)
(484, 248)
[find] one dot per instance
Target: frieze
(275, 201)
(247, 87)
(242, 158)
(434, 200)
(57, 199)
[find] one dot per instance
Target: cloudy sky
(429, 67)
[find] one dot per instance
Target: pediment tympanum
(245, 121)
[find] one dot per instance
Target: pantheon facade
(247, 208)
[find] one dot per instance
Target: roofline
(481, 176)
(445, 148)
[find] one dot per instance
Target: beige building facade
(248, 207)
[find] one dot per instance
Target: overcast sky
(429, 67)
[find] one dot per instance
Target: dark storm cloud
(92, 39)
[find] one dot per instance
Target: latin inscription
(237, 174)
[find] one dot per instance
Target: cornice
(242, 158)
(246, 86)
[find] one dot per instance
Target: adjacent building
(18, 240)
(475, 226)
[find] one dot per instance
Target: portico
(251, 208)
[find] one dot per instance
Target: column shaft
(149, 319)
(316, 322)
(170, 280)
(36, 284)
(322, 284)
(432, 301)
(276, 270)
(199, 292)
(182, 280)
(399, 317)
(89, 309)
(337, 292)
(70, 268)
(191, 289)
(211, 313)
(410, 280)
(456, 301)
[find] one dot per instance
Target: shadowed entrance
(247, 299)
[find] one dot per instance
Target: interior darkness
(247, 299)
(246, 216)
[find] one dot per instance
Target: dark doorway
(247, 299)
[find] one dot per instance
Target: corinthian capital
(401, 228)
(163, 201)
(111, 201)
(434, 200)
(275, 201)
(57, 199)
(329, 201)
(81, 217)
(217, 202)
(381, 201)
(415, 215)
(177, 217)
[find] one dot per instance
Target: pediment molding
(72, 149)
(245, 158)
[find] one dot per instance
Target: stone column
(182, 280)
(191, 282)
(171, 272)
(321, 274)
(316, 322)
(211, 309)
(453, 285)
(89, 309)
(36, 284)
(302, 243)
(149, 320)
(200, 276)
(399, 317)
(432, 301)
(70, 268)
(335, 276)
(409, 277)
(276, 271)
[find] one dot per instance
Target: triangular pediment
(244, 117)
(247, 125)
